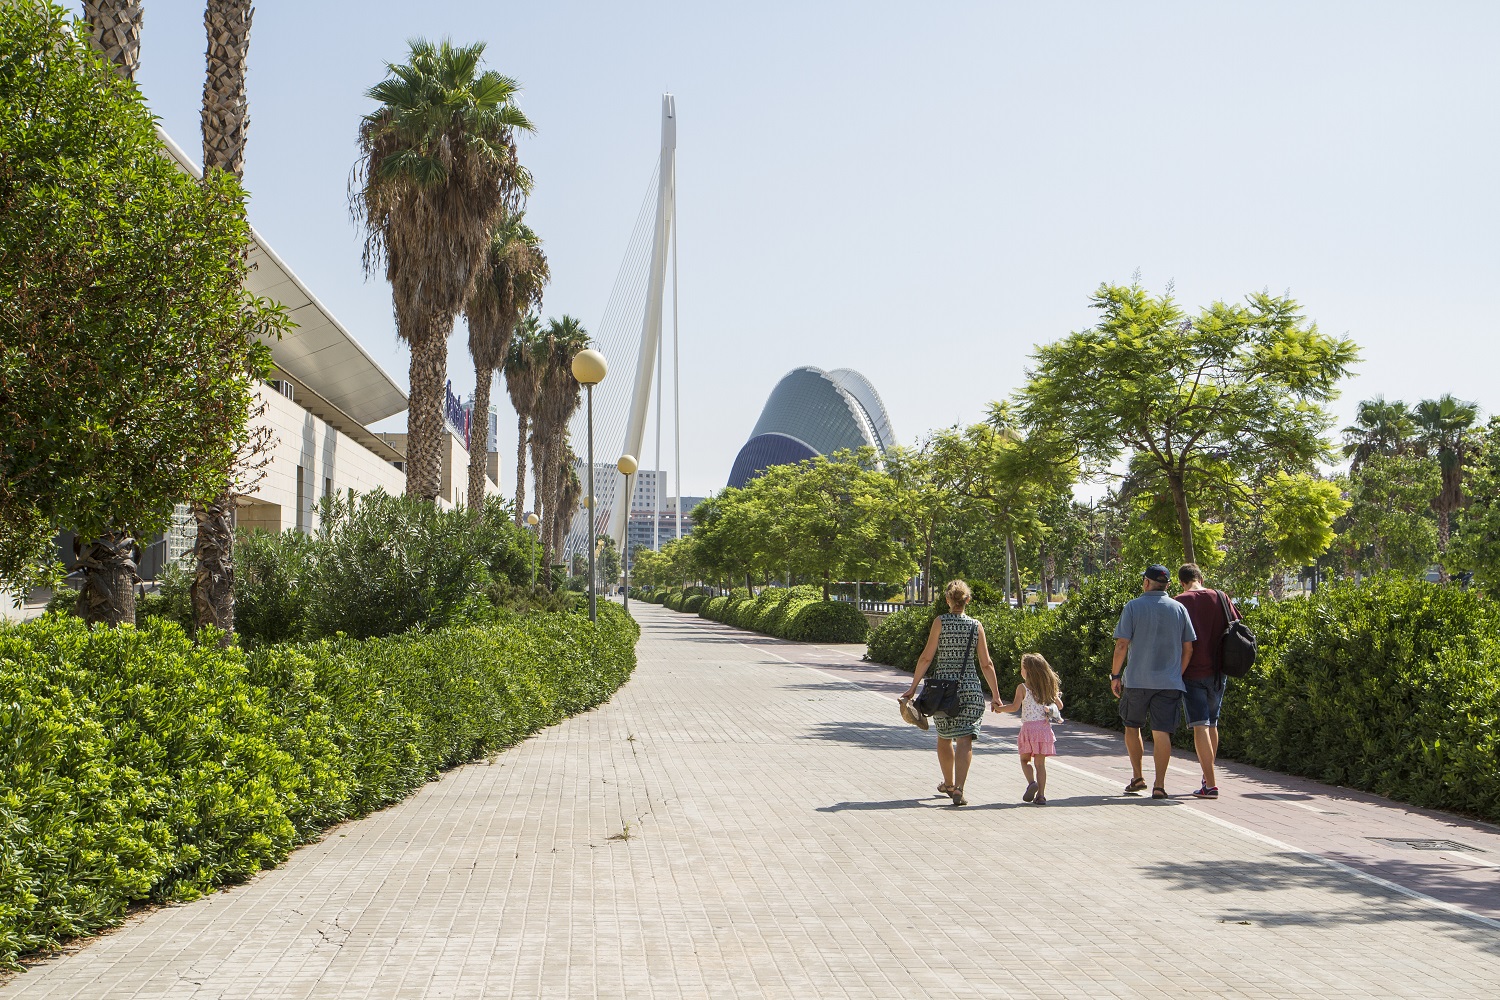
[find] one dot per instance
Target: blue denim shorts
(1204, 699)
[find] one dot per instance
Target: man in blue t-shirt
(1153, 644)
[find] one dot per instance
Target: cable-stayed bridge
(630, 336)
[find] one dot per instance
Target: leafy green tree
(437, 172)
(1390, 525)
(1442, 432)
(1475, 544)
(1210, 403)
(608, 558)
(128, 346)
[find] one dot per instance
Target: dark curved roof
(765, 450)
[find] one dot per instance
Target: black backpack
(1238, 646)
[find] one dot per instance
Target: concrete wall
(329, 459)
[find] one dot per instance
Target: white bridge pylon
(663, 238)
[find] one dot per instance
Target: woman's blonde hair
(957, 594)
(1040, 678)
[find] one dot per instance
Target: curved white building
(812, 412)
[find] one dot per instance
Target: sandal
(1159, 793)
(1040, 800)
(1030, 792)
(944, 788)
(1136, 786)
(957, 795)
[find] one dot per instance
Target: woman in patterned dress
(955, 641)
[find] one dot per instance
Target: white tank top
(1031, 711)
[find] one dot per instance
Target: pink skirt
(1036, 738)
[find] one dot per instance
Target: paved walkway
(748, 818)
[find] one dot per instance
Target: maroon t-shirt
(1207, 615)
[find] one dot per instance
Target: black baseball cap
(1158, 573)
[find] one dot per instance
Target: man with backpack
(1205, 679)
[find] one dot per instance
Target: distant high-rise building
(492, 434)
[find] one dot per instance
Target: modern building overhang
(319, 353)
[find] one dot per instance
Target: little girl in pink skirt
(1039, 700)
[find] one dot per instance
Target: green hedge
(797, 613)
(137, 765)
(1392, 686)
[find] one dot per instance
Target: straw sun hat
(910, 714)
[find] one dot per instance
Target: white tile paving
(781, 844)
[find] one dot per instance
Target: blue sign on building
(458, 418)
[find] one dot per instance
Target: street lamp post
(532, 521)
(627, 466)
(589, 368)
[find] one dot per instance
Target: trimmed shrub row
(1391, 685)
(797, 613)
(137, 765)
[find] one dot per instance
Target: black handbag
(1238, 645)
(939, 695)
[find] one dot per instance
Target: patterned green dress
(953, 643)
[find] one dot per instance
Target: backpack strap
(1230, 614)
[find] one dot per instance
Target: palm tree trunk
(213, 554)
(545, 512)
(116, 32)
(1443, 535)
(424, 419)
(521, 423)
(1015, 569)
(109, 578)
(479, 434)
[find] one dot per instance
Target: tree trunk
(1014, 565)
(1278, 585)
(927, 567)
(1443, 529)
(109, 579)
(116, 32)
(479, 427)
(213, 555)
(522, 424)
(825, 585)
(1184, 516)
(424, 418)
(225, 114)
(543, 509)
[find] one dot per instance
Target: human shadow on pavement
(942, 802)
(873, 735)
(1290, 872)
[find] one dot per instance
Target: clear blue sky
(924, 192)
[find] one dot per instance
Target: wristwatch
(1115, 677)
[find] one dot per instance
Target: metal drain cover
(1425, 844)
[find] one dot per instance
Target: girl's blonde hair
(1040, 678)
(957, 594)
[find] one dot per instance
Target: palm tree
(1442, 432)
(115, 30)
(437, 172)
(523, 380)
(510, 284)
(557, 400)
(226, 123)
(1380, 428)
(108, 562)
(569, 495)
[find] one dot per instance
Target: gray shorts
(1157, 709)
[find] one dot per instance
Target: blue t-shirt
(1156, 626)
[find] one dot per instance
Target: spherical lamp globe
(589, 367)
(533, 520)
(627, 465)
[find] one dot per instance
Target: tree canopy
(128, 346)
(1209, 405)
